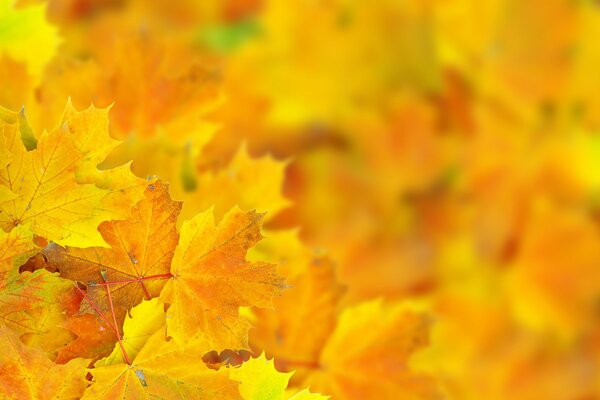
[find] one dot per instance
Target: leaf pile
(391, 199)
(135, 301)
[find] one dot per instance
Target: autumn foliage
(263, 199)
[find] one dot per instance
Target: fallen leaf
(15, 247)
(41, 190)
(296, 329)
(247, 182)
(212, 279)
(259, 380)
(161, 370)
(368, 354)
(28, 295)
(27, 373)
(141, 247)
(143, 321)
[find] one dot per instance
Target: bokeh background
(430, 170)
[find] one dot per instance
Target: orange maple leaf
(295, 331)
(212, 279)
(28, 373)
(141, 249)
(368, 354)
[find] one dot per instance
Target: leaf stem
(112, 310)
(146, 292)
(140, 279)
(85, 296)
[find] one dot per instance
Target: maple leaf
(141, 248)
(27, 373)
(141, 323)
(212, 279)
(50, 333)
(298, 326)
(368, 354)
(259, 380)
(41, 190)
(26, 295)
(15, 247)
(248, 182)
(160, 369)
(94, 338)
(303, 317)
(129, 66)
(90, 132)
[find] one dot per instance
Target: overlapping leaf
(41, 189)
(368, 355)
(15, 246)
(159, 371)
(212, 279)
(28, 373)
(250, 183)
(93, 338)
(26, 296)
(143, 321)
(295, 331)
(259, 380)
(141, 247)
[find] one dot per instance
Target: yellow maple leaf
(89, 129)
(25, 295)
(212, 279)
(90, 133)
(15, 247)
(247, 182)
(141, 323)
(50, 186)
(259, 380)
(162, 370)
(27, 373)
